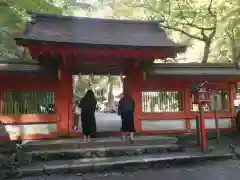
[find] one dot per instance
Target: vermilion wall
(29, 126)
(34, 126)
(50, 126)
(174, 122)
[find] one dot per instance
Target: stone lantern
(204, 96)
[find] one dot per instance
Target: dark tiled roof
(195, 69)
(89, 31)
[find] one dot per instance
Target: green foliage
(183, 19)
(96, 83)
(215, 23)
(189, 21)
(12, 17)
(227, 41)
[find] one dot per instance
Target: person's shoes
(75, 129)
(85, 139)
(131, 141)
(123, 137)
(88, 139)
(131, 138)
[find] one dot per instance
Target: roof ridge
(37, 15)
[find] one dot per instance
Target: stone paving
(113, 154)
(101, 147)
(115, 151)
(220, 170)
(119, 163)
(75, 143)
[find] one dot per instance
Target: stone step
(132, 163)
(115, 151)
(78, 143)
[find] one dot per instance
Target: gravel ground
(224, 170)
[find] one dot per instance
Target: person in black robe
(238, 119)
(126, 111)
(88, 108)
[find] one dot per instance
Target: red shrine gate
(68, 45)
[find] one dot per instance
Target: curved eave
(122, 51)
(25, 42)
(25, 69)
(178, 49)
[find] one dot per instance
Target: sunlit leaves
(12, 17)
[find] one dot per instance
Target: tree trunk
(235, 51)
(90, 83)
(110, 97)
(75, 79)
(206, 52)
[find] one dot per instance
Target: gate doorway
(107, 91)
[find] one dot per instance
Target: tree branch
(210, 8)
(191, 24)
(4, 3)
(183, 32)
(229, 60)
(212, 34)
(150, 8)
(198, 27)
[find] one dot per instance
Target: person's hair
(126, 94)
(90, 95)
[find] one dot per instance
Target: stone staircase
(102, 154)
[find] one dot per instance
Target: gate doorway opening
(107, 90)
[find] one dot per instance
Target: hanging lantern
(204, 96)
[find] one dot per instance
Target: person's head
(89, 94)
(121, 95)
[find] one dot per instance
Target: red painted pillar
(134, 78)
(63, 102)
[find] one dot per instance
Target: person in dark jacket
(88, 108)
(126, 111)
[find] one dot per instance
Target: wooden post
(198, 130)
(202, 129)
(134, 78)
(63, 102)
(187, 108)
(232, 107)
(216, 120)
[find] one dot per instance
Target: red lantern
(204, 96)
